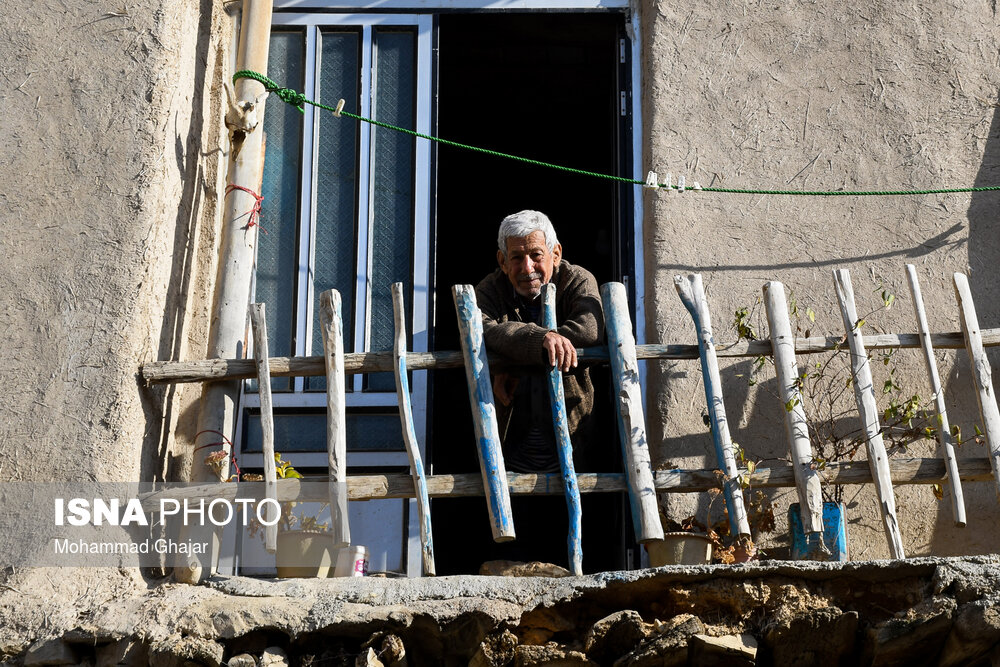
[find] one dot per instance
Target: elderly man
(530, 256)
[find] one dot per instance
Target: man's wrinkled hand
(504, 386)
(560, 350)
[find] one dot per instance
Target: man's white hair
(523, 223)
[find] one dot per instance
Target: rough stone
(549, 655)
(177, 650)
(966, 580)
(368, 658)
(975, 631)
(510, 568)
(825, 636)
(496, 650)
(726, 651)
(912, 637)
(539, 624)
(274, 656)
(50, 652)
(123, 652)
(242, 660)
(615, 635)
(668, 647)
(393, 652)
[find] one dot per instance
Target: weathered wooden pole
(864, 396)
(258, 322)
(484, 415)
(631, 421)
(943, 427)
(331, 324)
(982, 373)
(207, 370)
(807, 479)
(227, 331)
(692, 294)
(564, 445)
(409, 432)
(237, 238)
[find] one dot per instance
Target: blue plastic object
(834, 533)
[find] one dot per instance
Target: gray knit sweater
(514, 337)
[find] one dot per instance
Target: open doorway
(547, 86)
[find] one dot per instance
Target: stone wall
(915, 612)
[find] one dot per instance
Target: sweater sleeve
(582, 315)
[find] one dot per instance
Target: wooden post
(484, 416)
(981, 372)
(864, 395)
(259, 325)
(409, 433)
(631, 421)
(943, 427)
(693, 296)
(332, 327)
(807, 479)
(237, 242)
(564, 445)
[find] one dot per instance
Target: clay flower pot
(680, 548)
(304, 553)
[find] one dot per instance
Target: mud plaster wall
(804, 95)
(111, 165)
(113, 160)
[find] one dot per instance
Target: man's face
(529, 263)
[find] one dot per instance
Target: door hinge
(621, 51)
(624, 109)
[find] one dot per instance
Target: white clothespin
(651, 181)
(680, 183)
(696, 186)
(340, 107)
(668, 183)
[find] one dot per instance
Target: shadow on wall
(981, 503)
(950, 236)
(156, 464)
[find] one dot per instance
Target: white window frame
(419, 317)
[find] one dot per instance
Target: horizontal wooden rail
(210, 370)
(376, 487)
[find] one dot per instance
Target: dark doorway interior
(543, 86)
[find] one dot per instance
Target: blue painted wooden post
(631, 422)
(692, 294)
(409, 433)
(484, 416)
(564, 446)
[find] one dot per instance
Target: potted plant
(693, 542)
(304, 542)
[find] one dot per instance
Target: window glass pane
(336, 184)
(393, 184)
(307, 433)
(276, 250)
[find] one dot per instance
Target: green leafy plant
(289, 519)
(826, 387)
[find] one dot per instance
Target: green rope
(299, 100)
